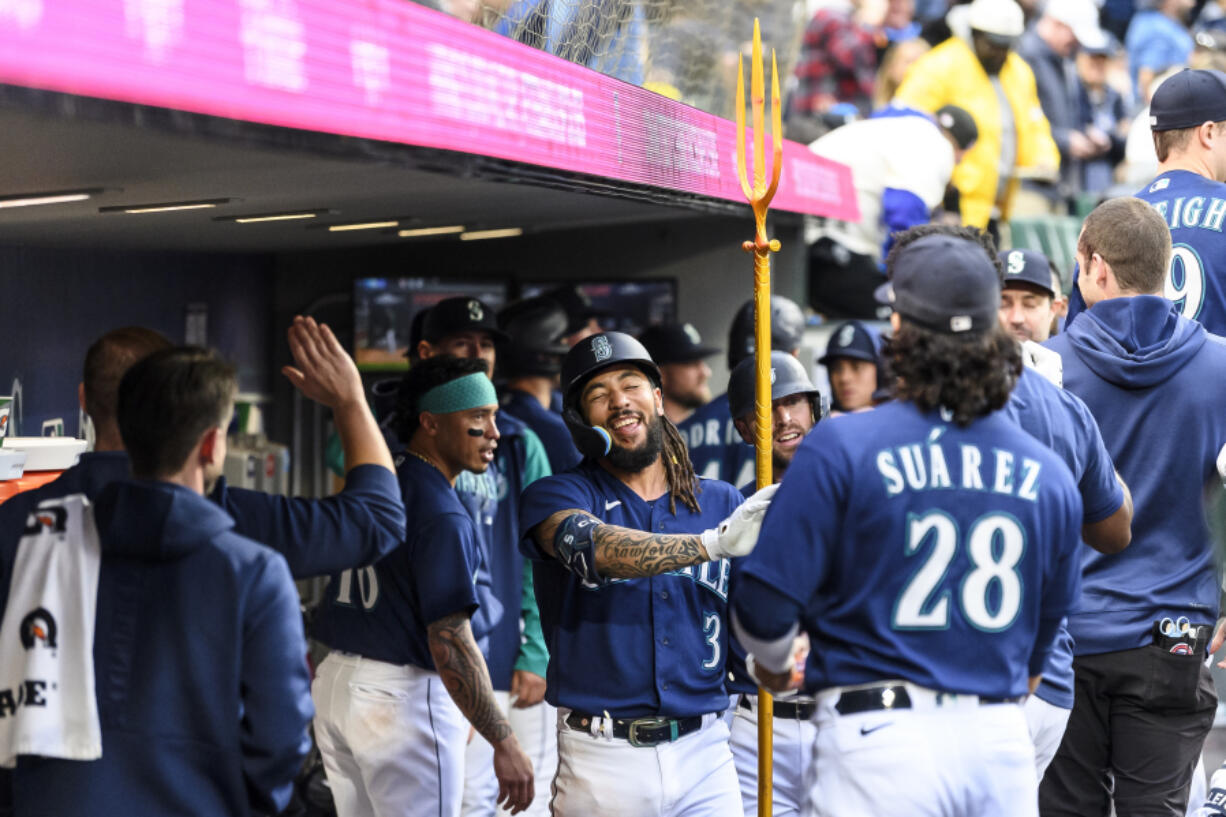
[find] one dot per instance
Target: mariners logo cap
(461, 314)
(959, 123)
(852, 340)
(1190, 98)
(945, 284)
(1028, 267)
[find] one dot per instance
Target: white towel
(47, 701)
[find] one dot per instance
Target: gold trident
(759, 196)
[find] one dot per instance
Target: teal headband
(461, 394)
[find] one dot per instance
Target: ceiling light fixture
(50, 197)
(425, 231)
(289, 215)
(167, 207)
(480, 235)
(365, 225)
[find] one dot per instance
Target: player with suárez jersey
(631, 577)
(929, 549)
(406, 677)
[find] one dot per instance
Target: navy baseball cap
(1190, 98)
(460, 314)
(675, 343)
(852, 339)
(1029, 267)
(945, 284)
(960, 124)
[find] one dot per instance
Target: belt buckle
(650, 723)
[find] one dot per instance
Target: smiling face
(460, 445)
(624, 400)
(791, 419)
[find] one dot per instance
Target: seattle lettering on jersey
(926, 466)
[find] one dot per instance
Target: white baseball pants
(947, 756)
(793, 743)
(1046, 723)
(693, 776)
(537, 730)
(392, 739)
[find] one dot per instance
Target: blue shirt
(633, 647)
(1156, 383)
(1063, 423)
(548, 425)
(716, 448)
(383, 611)
(914, 549)
(1156, 42)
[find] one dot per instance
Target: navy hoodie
(1156, 383)
(201, 677)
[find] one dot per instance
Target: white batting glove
(738, 534)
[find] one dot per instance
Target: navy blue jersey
(918, 550)
(1155, 382)
(382, 611)
(492, 501)
(716, 448)
(548, 425)
(1063, 423)
(633, 647)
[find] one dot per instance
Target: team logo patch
(47, 519)
(1016, 263)
(38, 626)
(475, 312)
(846, 335)
(1161, 184)
(601, 348)
(1181, 649)
(692, 334)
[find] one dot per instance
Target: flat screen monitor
(384, 309)
(628, 306)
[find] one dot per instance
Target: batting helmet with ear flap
(585, 359)
(788, 377)
(536, 327)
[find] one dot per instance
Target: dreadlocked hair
(678, 469)
(970, 376)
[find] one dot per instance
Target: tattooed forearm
(627, 554)
(465, 675)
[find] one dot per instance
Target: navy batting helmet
(787, 329)
(536, 327)
(788, 377)
(585, 359)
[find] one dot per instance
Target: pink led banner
(394, 71)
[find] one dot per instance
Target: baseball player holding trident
(929, 549)
(631, 575)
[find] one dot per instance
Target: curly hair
(969, 376)
(425, 375)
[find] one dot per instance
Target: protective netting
(684, 49)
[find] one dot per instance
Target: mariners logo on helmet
(846, 336)
(601, 349)
(773, 376)
(692, 334)
(475, 311)
(38, 625)
(1017, 263)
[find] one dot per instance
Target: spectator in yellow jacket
(977, 69)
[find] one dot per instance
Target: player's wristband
(575, 548)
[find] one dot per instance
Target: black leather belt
(791, 710)
(640, 731)
(893, 696)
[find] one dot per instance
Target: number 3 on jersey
(990, 594)
(1185, 281)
